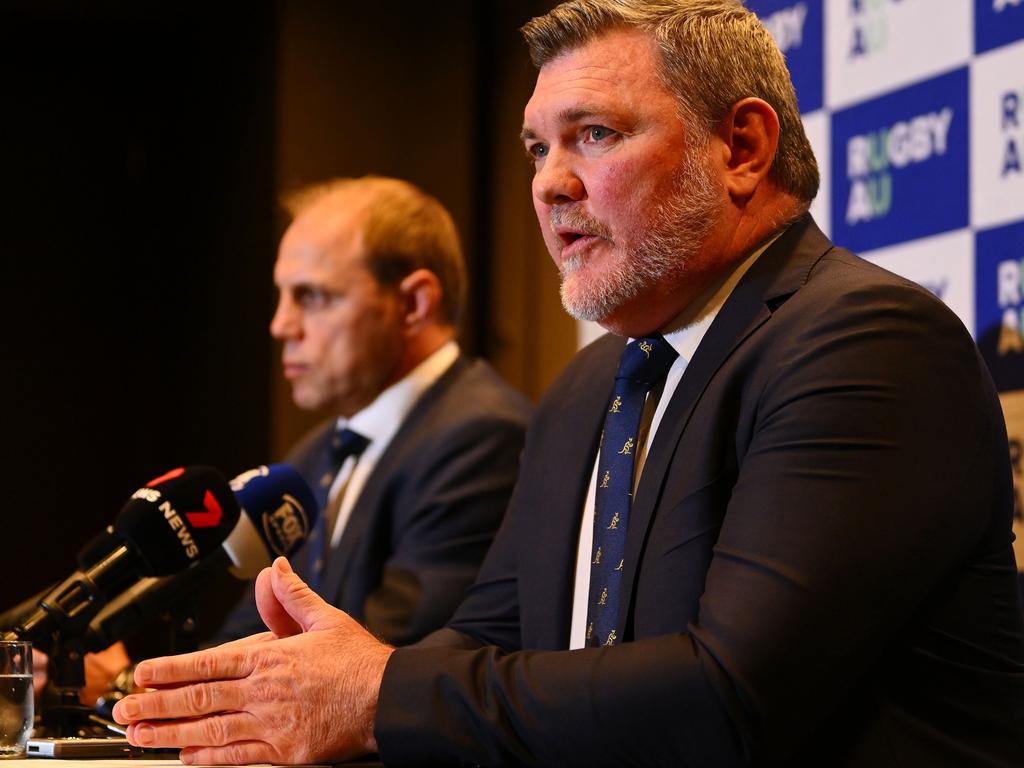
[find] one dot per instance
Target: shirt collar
(687, 330)
(380, 418)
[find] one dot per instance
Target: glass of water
(16, 704)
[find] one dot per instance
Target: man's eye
(309, 297)
(598, 133)
(537, 151)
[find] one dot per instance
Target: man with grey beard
(771, 529)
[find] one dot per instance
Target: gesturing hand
(304, 692)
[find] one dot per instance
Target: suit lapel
(367, 506)
(776, 274)
(563, 489)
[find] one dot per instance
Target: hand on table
(304, 692)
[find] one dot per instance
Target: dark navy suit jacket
(819, 561)
(428, 512)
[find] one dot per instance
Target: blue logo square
(798, 29)
(997, 22)
(999, 302)
(899, 165)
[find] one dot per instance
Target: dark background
(143, 147)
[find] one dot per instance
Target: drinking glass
(16, 704)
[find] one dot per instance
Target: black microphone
(94, 550)
(174, 521)
(279, 512)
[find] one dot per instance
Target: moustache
(574, 217)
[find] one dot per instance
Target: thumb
(304, 607)
(271, 611)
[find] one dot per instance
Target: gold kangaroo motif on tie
(604, 596)
(615, 405)
(646, 347)
(614, 524)
(611, 638)
(606, 478)
(627, 448)
(597, 557)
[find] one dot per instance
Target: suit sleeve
(865, 478)
(243, 620)
(445, 519)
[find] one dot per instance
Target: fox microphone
(278, 514)
(280, 511)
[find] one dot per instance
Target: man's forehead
(618, 66)
(321, 243)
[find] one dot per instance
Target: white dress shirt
(378, 422)
(684, 334)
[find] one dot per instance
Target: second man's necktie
(344, 443)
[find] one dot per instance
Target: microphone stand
(63, 714)
(183, 618)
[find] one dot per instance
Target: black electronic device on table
(73, 747)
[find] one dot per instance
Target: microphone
(279, 512)
(94, 550)
(173, 521)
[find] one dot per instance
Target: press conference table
(41, 762)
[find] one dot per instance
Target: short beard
(679, 225)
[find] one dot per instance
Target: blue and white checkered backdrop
(915, 110)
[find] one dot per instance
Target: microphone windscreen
(177, 519)
(279, 511)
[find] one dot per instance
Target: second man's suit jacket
(818, 568)
(429, 510)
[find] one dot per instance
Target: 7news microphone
(278, 514)
(172, 522)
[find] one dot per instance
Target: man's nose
(286, 323)
(557, 180)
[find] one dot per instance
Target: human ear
(420, 294)
(750, 135)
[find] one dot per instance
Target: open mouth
(570, 236)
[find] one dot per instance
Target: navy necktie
(643, 363)
(344, 443)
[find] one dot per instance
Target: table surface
(141, 762)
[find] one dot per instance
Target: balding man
(418, 458)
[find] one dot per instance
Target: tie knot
(646, 360)
(346, 442)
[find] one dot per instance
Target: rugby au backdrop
(915, 109)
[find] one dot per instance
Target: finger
(260, 637)
(271, 611)
(240, 753)
(304, 605)
(186, 701)
(221, 663)
(212, 731)
(39, 671)
(39, 679)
